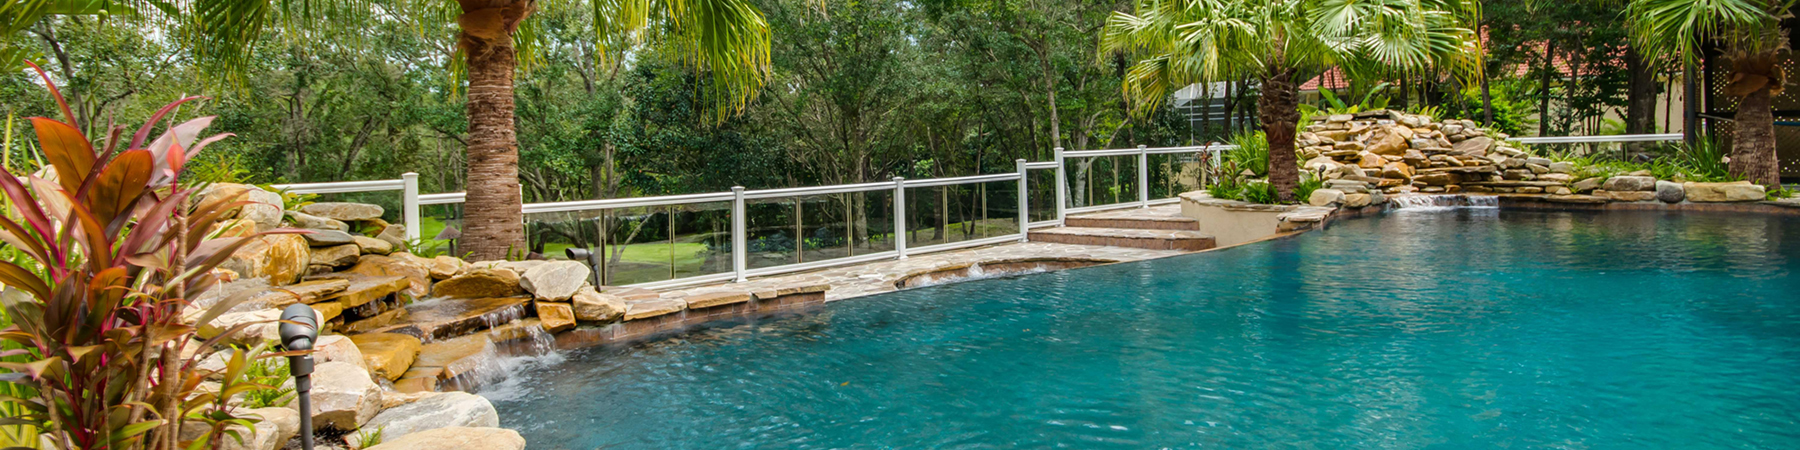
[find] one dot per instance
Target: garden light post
(592, 258)
(299, 330)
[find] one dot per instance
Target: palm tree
(1281, 43)
(1749, 33)
(727, 38)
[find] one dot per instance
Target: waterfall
(1443, 201)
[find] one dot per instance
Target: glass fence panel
(824, 225)
(769, 224)
(639, 246)
(439, 228)
(875, 221)
(1102, 180)
(702, 239)
(999, 208)
(550, 235)
(1174, 173)
(1041, 184)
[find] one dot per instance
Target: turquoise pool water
(1467, 328)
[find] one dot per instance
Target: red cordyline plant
(119, 251)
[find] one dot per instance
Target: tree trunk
(1544, 89)
(492, 221)
(1753, 145)
(1640, 97)
(1278, 108)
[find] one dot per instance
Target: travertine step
(1157, 218)
(1123, 237)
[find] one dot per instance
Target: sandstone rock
(594, 306)
(1396, 170)
(449, 409)
(259, 326)
(1587, 184)
(1670, 192)
(282, 423)
(1325, 197)
(1347, 145)
(556, 281)
(480, 283)
(328, 310)
(451, 317)
(234, 228)
(1357, 200)
(394, 235)
(1630, 196)
(371, 323)
(456, 438)
(1629, 183)
(1556, 177)
(556, 317)
(1473, 146)
(336, 256)
(1531, 190)
(343, 211)
(373, 246)
(1320, 163)
(364, 289)
(1537, 169)
(1561, 167)
(264, 207)
(653, 307)
(328, 238)
(245, 440)
(1437, 179)
(312, 222)
(1559, 190)
(1575, 198)
(447, 267)
(388, 355)
(336, 347)
(1736, 191)
(279, 258)
(343, 396)
(418, 278)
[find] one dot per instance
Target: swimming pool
(1463, 328)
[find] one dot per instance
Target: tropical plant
(1333, 105)
(113, 251)
(1251, 152)
(1703, 160)
(1280, 43)
(267, 369)
(1309, 182)
(1751, 36)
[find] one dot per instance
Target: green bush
(1258, 192)
(1252, 152)
(1308, 184)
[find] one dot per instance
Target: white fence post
(900, 217)
(409, 205)
(1024, 203)
(1062, 187)
(1143, 176)
(739, 239)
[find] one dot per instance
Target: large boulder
(1473, 146)
(336, 347)
(1736, 191)
(556, 317)
(394, 234)
(449, 409)
(1670, 192)
(278, 258)
(388, 355)
(1393, 140)
(456, 438)
(344, 211)
(1319, 197)
(480, 283)
(344, 397)
(594, 306)
(327, 238)
(282, 422)
(555, 281)
(1629, 184)
(364, 289)
(373, 246)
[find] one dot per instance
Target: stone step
(1157, 218)
(1123, 237)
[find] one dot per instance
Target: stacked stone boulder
(1394, 152)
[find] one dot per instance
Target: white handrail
(342, 187)
(1597, 139)
(816, 190)
(929, 182)
(629, 202)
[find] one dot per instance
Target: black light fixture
(299, 331)
(593, 261)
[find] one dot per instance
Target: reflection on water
(1448, 329)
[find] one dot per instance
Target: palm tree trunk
(492, 219)
(1278, 108)
(1753, 145)
(1640, 96)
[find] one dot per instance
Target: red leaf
(119, 186)
(137, 140)
(68, 151)
(64, 104)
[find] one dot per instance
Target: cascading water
(504, 368)
(1444, 201)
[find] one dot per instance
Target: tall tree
(1750, 36)
(1280, 43)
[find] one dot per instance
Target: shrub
(1309, 182)
(112, 253)
(1252, 152)
(1258, 192)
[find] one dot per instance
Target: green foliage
(1703, 161)
(425, 247)
(366, 438)
(1374, 99)
(1779, 193)
(1309, 182)
(1252, 152)
(217, 168)
(1512, 104)
(1227, 189)
(269, 371)
(1258, 192)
